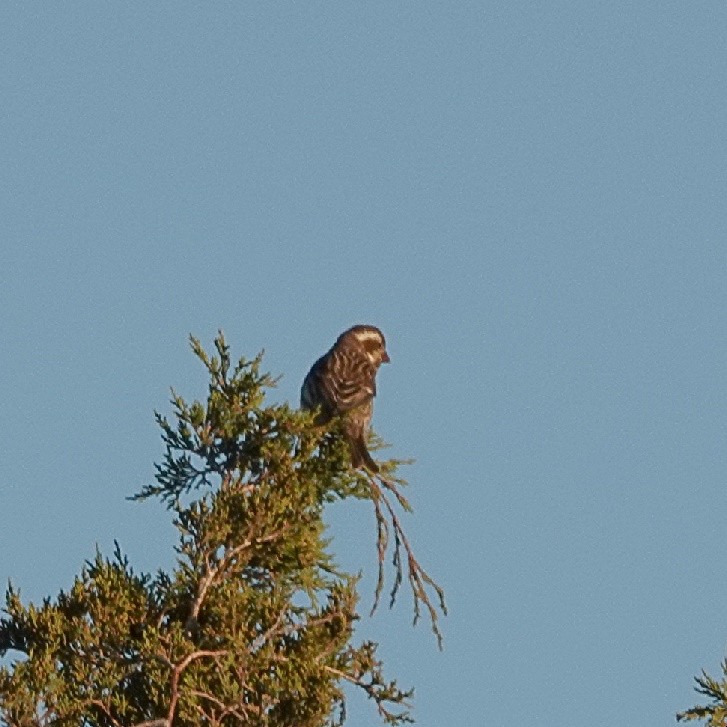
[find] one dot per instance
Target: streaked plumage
(343, 383)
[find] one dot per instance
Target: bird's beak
(385, 358)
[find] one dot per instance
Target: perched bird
(343, 383)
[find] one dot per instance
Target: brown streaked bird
(343, 383)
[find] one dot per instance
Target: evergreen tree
(255, 624)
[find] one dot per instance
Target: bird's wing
(352, 383)
(355, 383)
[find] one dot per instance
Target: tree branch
(213, 572)
(370, 689)
(177, 672)
(418, 578)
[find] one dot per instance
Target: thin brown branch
(98, 703)
(382, 543)
(274, 630)
(370, 690)
(239, 711)
(177, 673)
(418, 578)
(213, 572)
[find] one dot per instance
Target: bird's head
(370, 339)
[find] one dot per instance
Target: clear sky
(530, 199)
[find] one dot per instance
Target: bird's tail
(360, 456)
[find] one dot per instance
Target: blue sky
(528, 198)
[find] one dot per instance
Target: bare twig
(418, 578)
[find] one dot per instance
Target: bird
(342, 383)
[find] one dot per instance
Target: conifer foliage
(715, 712)
(255, 624)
